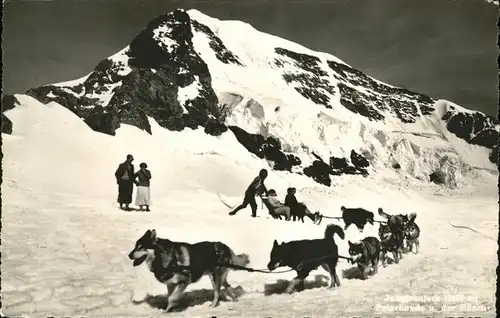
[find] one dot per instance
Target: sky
(442, 48)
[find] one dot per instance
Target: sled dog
(412, 233)
(306, 255)
(178, 264)
(391, 242)
(365, 253)
(356, 216)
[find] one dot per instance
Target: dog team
(178, 264)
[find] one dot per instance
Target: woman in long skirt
(143, 197)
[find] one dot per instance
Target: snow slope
(65, 243)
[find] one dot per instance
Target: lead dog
(306, 255)
(391, 242)
(412, 233)
(178, 264)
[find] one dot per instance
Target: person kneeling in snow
(257, 187)
(143, 194)
(275, 207)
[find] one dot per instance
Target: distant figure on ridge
(125, 179)
(257, 187)
(143, 196)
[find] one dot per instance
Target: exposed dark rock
(340, 166)
(274, 142)
(338, 163)
(400, 101)
(437, 177)
(358, 160)
(320, 172)
(103, 121)
(269, 149)
(396, 165)
(475, 128)
(358, 102)
(216, 44)
(158, 70)
(6, 125)
(64, 96)
(215, 127)
(8, 102)
(314, 81)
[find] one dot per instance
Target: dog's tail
(241, 260)
(332, 229)
(383, 214)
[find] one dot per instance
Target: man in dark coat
(257, 187)
(125, 179)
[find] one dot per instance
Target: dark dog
(306, 255)
(391, 242)
(366, 253)
(178, 264)
(412, 233)
(396, 224)
(356, 216)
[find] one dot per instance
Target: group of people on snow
(291, 209)
(126, 177)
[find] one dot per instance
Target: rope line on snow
(340, 218)
(468, 228)
(299, 266)
(267, 271)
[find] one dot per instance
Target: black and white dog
(366, 254)
(178, 264)
(412, 233)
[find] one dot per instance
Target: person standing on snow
(143, 194)
(255, 188)
(125, 180)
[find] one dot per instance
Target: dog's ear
(412, 217)
(350, 244)
(275, 243)
(153, 235)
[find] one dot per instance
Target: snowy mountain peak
(303, 111)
